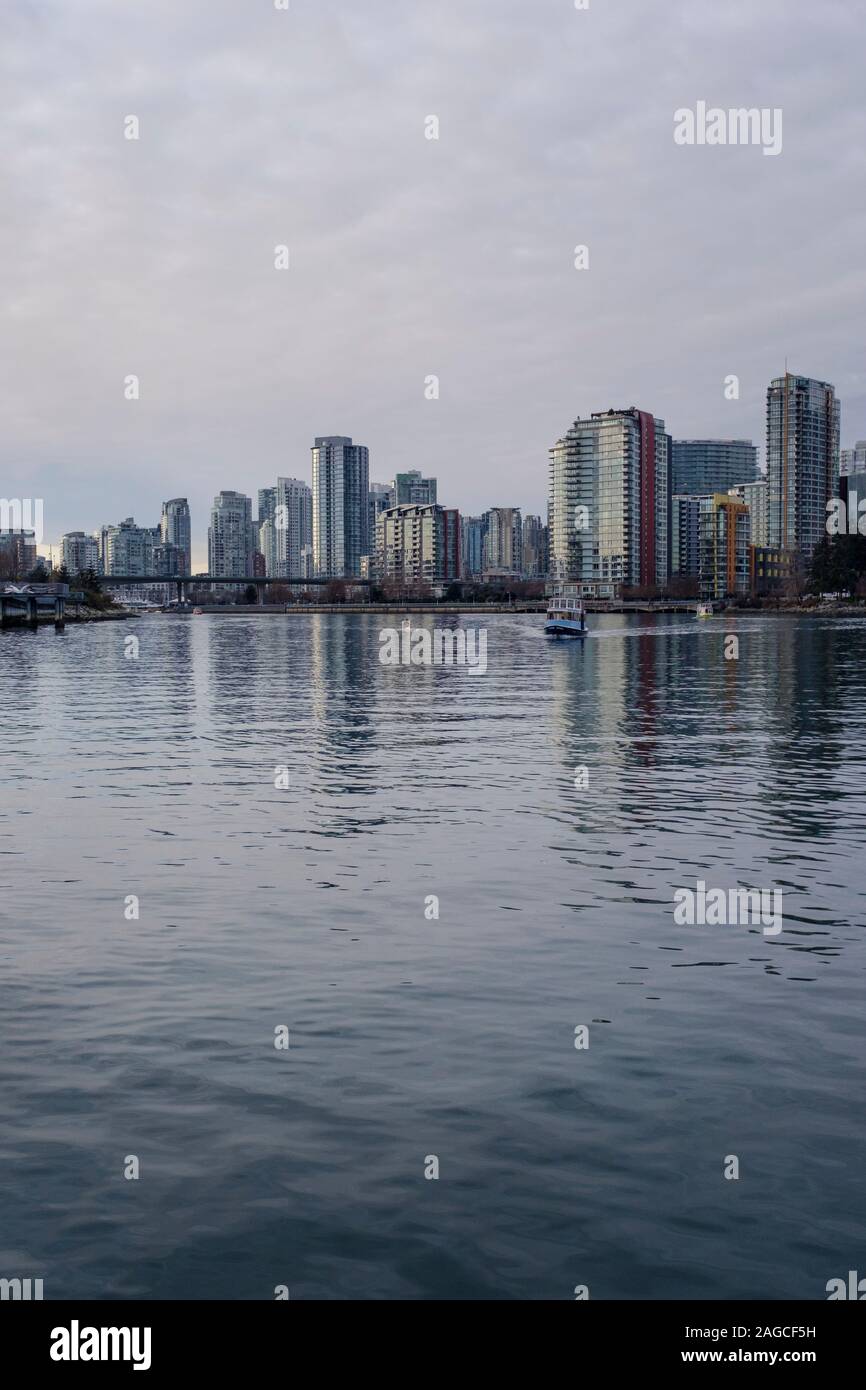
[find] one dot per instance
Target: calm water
(305, 907)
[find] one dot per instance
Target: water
(305, 908)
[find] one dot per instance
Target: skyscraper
(129, 548)
(412, 488)
(609, 502)
(175, 530)
(341, 516)
(231, 539)
(534, 560)
(853, 460)
(267, 528)
(381, 495)
(723, 546)
(473, 534)
(802, 460)
(293, 523)
(685, 533)
(80, 552)
(755, 497)
(704, 466)
(503, 545)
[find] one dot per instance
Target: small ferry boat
(566, 617)
(197, 612)
(704, 610)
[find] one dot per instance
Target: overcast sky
(409, 257)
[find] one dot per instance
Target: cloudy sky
(409, 257)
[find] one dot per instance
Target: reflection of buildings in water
(345, 747)
(813, 679)
(639, 705)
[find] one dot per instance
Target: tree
(335, 591)
(250, 593)
(838, 564)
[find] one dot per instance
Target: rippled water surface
(305, 907)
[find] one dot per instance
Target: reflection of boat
(565, 617)
(704, 610)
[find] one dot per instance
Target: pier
(28, 604)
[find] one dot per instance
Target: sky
(409, 257)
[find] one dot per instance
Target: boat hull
(564, 627)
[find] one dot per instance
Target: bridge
(195, 581)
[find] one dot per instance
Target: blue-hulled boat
(566, 617)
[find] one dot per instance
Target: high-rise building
(473, 534)
(17, 553)
(418, 544)
(381, 495)
(610, 501)
(168, 560)
(267, 528)
(704, 466)
(411, 488)
(129, 548)
(534, 559)
(503, 545)
(341, 515)
(452, 544)
(802, 460)
(755, 497)
(853, 460)
(175, 530)
(293, 523)
(80, 552)
(685, 533)
(231, 539)
(724, 546)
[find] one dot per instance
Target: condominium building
(685, 534)
(503, 544)
(293, 522)
(381, 496)
(853, 460)
(755, 497)
(340, 504)
(169, 560)
(610, 501)
(232, 539)
(802, 460)
(17, 552)
(418, 544)
(175, 530)
(128, 549)
(473, 535)
(724, 546)
(267, 528)
(704, 466)
(413, 488)
(534, 553)
(80, 552)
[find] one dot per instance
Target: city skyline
(696, 465)
(155, 257)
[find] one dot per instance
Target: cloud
(409, 256)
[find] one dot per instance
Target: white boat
(704, 610)
(566, 617)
